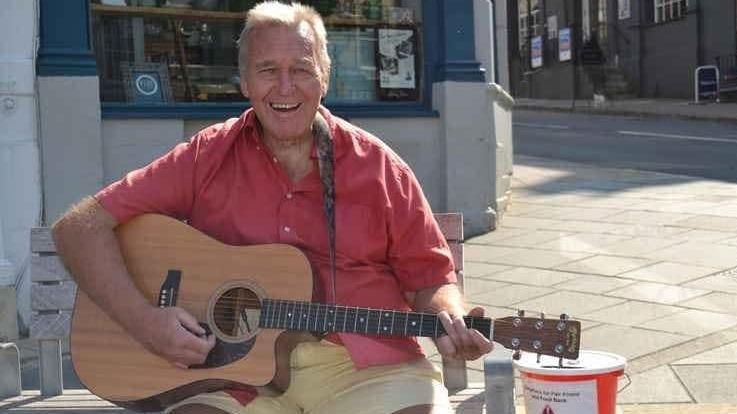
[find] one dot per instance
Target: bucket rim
(528, 365)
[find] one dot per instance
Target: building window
(171, 51)
(530, 20)
(667, 10)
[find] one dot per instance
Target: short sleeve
(165, 186)
(418, 252)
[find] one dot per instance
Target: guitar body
(209, 276)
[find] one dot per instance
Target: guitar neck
(318, 317)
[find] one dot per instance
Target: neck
(293, 154)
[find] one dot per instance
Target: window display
(374, 45)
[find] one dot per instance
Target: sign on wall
(624, 9)
(564, 44)
(552, 27)
(707, 83)
(536, 52)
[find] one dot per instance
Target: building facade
(564, 49)
(91, 89)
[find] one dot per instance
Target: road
(695, 148)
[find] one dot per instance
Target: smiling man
(266, 177)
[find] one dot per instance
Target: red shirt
(227, 184)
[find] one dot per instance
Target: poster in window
(146, 82)
(624, 9)
(397, 59)
(536, 52)
(564, 44)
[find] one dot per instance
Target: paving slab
(705, 236)
(630, 342)
(651, 217)
(698, 253)
(605, 265)
(501, 233)
(719, 282)
(657, 292)
(710, 222)
(634, 246)
(538, 258)
(594, 284)
(472, 286)
(716, 301)
(583, 242)
(692, 322)
(669, 273)
(660, 385)
(632, 313)
(726, 354)
(709, 383)
(534, 239)
(509, 295)
(483, 253)
(571, 303)
(533, 276)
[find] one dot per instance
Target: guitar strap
(326, 166)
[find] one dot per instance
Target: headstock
(555, 337)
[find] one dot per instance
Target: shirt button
(287, 229)
(289, 196)
(275, 160)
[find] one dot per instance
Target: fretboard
(318, 317)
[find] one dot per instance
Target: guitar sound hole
(236, 314)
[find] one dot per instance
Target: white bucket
(587, 385)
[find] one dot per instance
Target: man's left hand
(460, 341)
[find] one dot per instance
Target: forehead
(281, 42)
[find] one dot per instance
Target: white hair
(274, 13)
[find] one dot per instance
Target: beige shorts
(323, 380)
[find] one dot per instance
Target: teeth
(283, 106)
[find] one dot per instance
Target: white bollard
(9, 370)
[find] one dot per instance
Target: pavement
(646, 261)
(676, 108)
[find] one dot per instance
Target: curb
(624, 112)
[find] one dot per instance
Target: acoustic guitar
(247, 296)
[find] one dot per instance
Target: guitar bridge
(170, 289)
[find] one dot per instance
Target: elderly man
(260, 179)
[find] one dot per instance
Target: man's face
(283, 80)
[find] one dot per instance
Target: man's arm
(461, 342)
(87, 244)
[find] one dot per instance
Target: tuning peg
(542, 315)
(521, 313)
(564, 317)
(538, 357)
(560, 362)
(517, 355)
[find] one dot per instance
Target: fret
(354, 315)
(290, 313)
(279, 314)
(374, 320)
(384, 328)
(345, 317)
(406, 319)
(428, 324)
(363, 314)
(331, 324)
(413, 324)
(436, 327)
(335, 315)
(300, 316)
(314, 311)
(265, 320)
(422, 317)
(325, 319)
(394, 315)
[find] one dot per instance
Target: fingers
(175, 335)
(461, 342)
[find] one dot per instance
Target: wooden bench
(727, 73)
(52, 302)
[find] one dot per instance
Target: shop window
(171, 51)
(530, 21)
(667, 10)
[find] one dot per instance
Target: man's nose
(286, 83)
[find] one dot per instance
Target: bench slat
(41, 241)
(48, 269)
(451, 224)
(50, 325)
(53, 297)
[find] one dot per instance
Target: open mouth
(285, 107)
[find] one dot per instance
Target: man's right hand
(174, 334)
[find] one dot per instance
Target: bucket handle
(629, 382)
